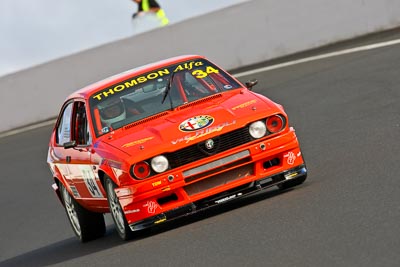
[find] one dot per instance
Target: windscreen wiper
(166, 93)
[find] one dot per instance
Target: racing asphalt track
(347, 115)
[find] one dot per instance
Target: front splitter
(221, 198)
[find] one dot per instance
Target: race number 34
(200, 74)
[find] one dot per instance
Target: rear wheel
(86, 225)
(116, 211)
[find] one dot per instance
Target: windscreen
(157, 91)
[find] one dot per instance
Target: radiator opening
(164, 200)
(271, 163)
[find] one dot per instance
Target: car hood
(191, 124)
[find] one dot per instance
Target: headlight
(159, 164)
(257, 129)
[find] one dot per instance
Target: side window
(81, 126)
(64, 127)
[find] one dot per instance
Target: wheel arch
(104, 172)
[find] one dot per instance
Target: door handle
(68, 158)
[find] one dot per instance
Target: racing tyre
(87, 225)
(292, 183)
(116, 211)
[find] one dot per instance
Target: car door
(73, 150)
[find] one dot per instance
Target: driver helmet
(111, 111)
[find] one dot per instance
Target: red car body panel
(216, 177)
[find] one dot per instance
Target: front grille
(199, 151)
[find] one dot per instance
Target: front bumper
(221, 198)
(184, 190)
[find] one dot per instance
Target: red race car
(164, 141)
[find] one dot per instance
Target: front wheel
(116, 211)
(86, 225)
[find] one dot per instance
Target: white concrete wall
(240, 35)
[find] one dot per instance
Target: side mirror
(70, 144)
(251, 83)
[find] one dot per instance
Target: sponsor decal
(290, 175)
(130, 83)
(132, 211)
(196, 123)
(188, 65)
(291, 157)
(155, 184)
(90, 181)
(222, 200)
(138, 142)
(245, 104)
(160, 220)
(105, 129)
(203, 132)
(151, 206)
(157, 74)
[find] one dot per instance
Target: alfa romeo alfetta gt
(164, 141)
